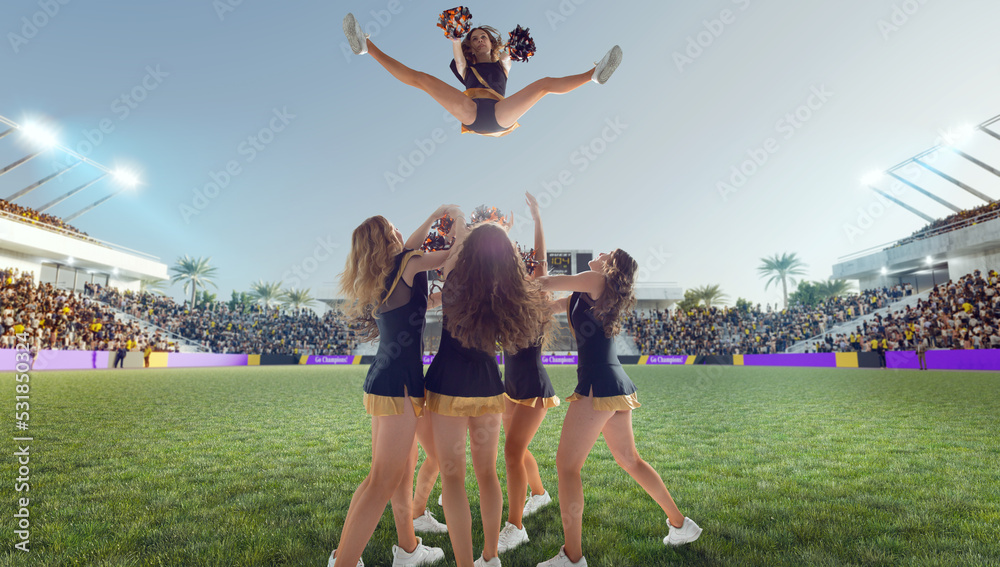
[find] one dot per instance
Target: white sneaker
(684, 534)
(511, 537)
(422, 555)
(355, 35)
(495, 562)
(333, 561)
(562, 561)
(426, 523)
(535, 503)
(607, 66)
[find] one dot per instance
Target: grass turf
(256, 466)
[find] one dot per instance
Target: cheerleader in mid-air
(385, 281)
(486, 301)
(482, 64)
(603, 401)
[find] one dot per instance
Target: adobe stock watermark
(899, 17)
(298, 273)
(121, 107)
(561, 14)
(249, 148)
(580, 158)
(380, 19)
(225, 7)
(30, 26)
(712, 30)
(787, 126)
(407, 163)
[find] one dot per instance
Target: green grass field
(256, 466)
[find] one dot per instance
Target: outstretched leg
(452, 99)
(519, 430)
(510, 109)
(428, 473)
(620, 438)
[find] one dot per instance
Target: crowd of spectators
(956, 221)
(963, 314)
(750, 330)
(29, 215)
(55, 319)
(243, 328)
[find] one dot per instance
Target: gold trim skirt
(536, 401)
(610, 403)
(457, 406)
(379, 406)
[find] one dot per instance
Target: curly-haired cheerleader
(482, 65)
(385, 281)
(603, 401)
(485, 301)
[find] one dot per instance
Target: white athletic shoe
(429, 524)
(495, 562)
(562, 561)
(355, 35)
(604, 69)
(511, 537)
(422, 555)
(535, 502)
(333, 561)
(684, 534)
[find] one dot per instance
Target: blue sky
(306, 141)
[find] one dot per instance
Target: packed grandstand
(962, 314)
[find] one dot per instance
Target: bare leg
(520, 430)
(452, 99)
(510, 109)
(402, 504)
(580, 431)
(619, 436)
(392, 436)
(450, 434)
(485, 434)
(429, 470)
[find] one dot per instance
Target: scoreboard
(568, 262)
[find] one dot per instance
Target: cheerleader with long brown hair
(385, 284)
(482, 65)
(486, 302)
(603, 401)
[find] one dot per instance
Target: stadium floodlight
(885, 270)
(930, 260)
(70, 260)
(126, 178)
(872, 177)
(39, 136)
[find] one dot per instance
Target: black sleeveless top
(598, 366)
(399, 360)
(492, 73)
(524, 375)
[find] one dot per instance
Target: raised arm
(459, 55)
(505, 61)
(416, 240)
(542, 266)
(588, 282)
(461, 231)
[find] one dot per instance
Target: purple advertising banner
(429, 358)
(331, 359)
(666, 359)
(814, 360)
(988, 359)
(902, 359)
(72, 360)
(199, 359)
(559, 359)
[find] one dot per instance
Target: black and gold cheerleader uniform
(599, 370)
(398, 368)
(525, 380)
(463, 381)
(486, 85)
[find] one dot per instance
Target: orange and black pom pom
(529, 260)
(487, 214)
(437, 239)
(520, 45)
(455, 22)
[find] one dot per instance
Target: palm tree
(779, 268)
(266, 292)
(152, 286)
(711, 294)
(195, 273)
(834, 288)
(297, 298)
